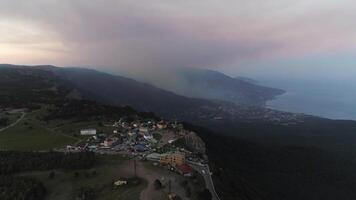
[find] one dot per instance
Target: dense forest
(14, 162)
(21, 88)
(247, 170)
(23, 188)
(85, 110)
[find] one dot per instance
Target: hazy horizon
(307, 41)
(303, 39)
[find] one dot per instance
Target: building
(161, 125)
(120, 182)
(108, 142)
(148, 136)
(184, 170)
(88, 132)
(131, 133)
(143, 130)
(154, 157)
(140, 148)
(173, 159)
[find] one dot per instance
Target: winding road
(204, 170)
(13, 124)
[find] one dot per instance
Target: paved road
(204, 170)
(13, 124)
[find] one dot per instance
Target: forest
(249, 170)
(14, 162)
(24, 188)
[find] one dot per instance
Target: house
(143, 130)
(72, 148)
(161, 125)
(148, 136)
(108, 142)
(88, 132)
(171, 141)
(173, 196)
(120, 182)
(173, 159)
(140, 148)
(184, 170)
(93, 147)
(154, 157)
(131, 133)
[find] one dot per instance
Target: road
(204, 170)
(13, 124)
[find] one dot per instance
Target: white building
(148, 136)
(88, 132)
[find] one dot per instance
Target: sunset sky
(304, 38)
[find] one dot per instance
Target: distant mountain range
(119, 90)
(22, 84)
(210, 84)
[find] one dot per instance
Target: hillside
(251, 158)
(210, 84)
(36, 160)
(76, 83)
(118, 90)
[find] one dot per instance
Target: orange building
(173, 159)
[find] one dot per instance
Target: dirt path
(13, 124)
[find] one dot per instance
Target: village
(164, 143)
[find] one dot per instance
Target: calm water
(333, 100)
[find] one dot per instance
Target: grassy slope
(33, 134)
(65, 183)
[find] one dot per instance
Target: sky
(289, 38)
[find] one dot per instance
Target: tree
(4, 121)
(205, 195)
(85, 193)
(188, 192)
(184, 183)
(51, 175)
(157, 184)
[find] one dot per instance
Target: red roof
(184, 169)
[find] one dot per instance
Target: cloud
(166, 33)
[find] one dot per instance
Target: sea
(329, 99)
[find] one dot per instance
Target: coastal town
(147, 139)
(164, 144)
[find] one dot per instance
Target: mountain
(118, 90)
(210, 84)
(26, 87)
(246, 79)
(255, 153)
(22, 85)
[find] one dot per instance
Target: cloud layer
(169, 33)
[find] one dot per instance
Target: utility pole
(169, 186)
(135, 168)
